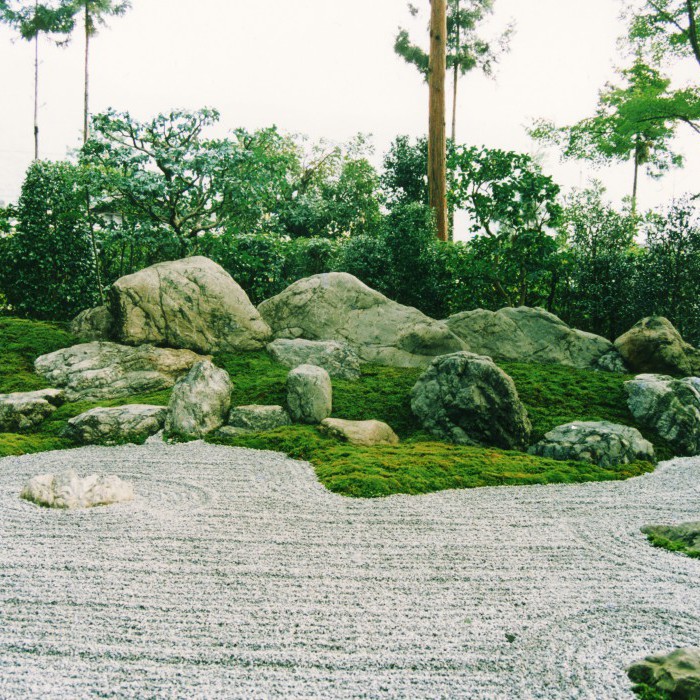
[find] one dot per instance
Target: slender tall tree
(95, 14)
(466, 50)
(31, 19)
(437, 144)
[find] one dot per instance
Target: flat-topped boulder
(118, 425)
(527, 334)
(256, 419)
(466, 399)
(653, 345)
(68, 490)
(23, 410)
(597, 442)
(200, 402)
(366, 433)
(96, 371)
(338, 306)
(671, 407)
(191, 303)
(335, 356)
(92, 324)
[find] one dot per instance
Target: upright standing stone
(309, 394)
(200, 402)
(467, 399)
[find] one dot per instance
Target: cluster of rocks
(162, 323)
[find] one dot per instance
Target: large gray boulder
(653, 345)
(68, 490)
(116, 426)
(191, 303)
(97, 371)
(466, 399)
(337, 306)
(309, 394)
(92, 324)
(200, 402)
(675, 675)
(336, 357)
(527, 335)
(602, 443)
(669, 406)
(256, 419)
(23, 410)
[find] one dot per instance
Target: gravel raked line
(235, 574)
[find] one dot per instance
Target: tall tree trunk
(437, 156)
(635, 185)
(455, 81)
(93, 241)
(36, 95)
(86, 96)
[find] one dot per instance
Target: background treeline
(272, 208)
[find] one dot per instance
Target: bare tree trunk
(635, 185)
(455, 81)
(36, 95)
(437, 160)
(86, 103)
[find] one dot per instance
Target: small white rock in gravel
(68, 490)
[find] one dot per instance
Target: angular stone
(258, 418)
(527, 334)
(200, 402)
(364, 432)
(676, 675)
(23, 410)
(671, 407)
(336, 357)
(309, 394)
(654, 346)
(133, 423)
(612, 362)
(602, 443)
(466, 399)
(92, 324)
(337, 306)
(191, 303)
(68, 490)
(97, 371)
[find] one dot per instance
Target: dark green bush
(47, 265)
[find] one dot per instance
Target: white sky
(325, 68)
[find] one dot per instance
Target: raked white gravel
(235, 574)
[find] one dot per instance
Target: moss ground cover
(420, 464)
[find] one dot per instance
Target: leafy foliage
(47, 267)
(634, 121)
(32, 19)
(466, 50)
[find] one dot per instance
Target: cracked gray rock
(200, 402)
(466, 399)
(23, 410)
(116, 425)
(191, 303)
(338, 306)
(97, 371)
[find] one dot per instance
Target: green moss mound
(683, 538)
(553, 395)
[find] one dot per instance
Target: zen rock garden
(163, 327)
